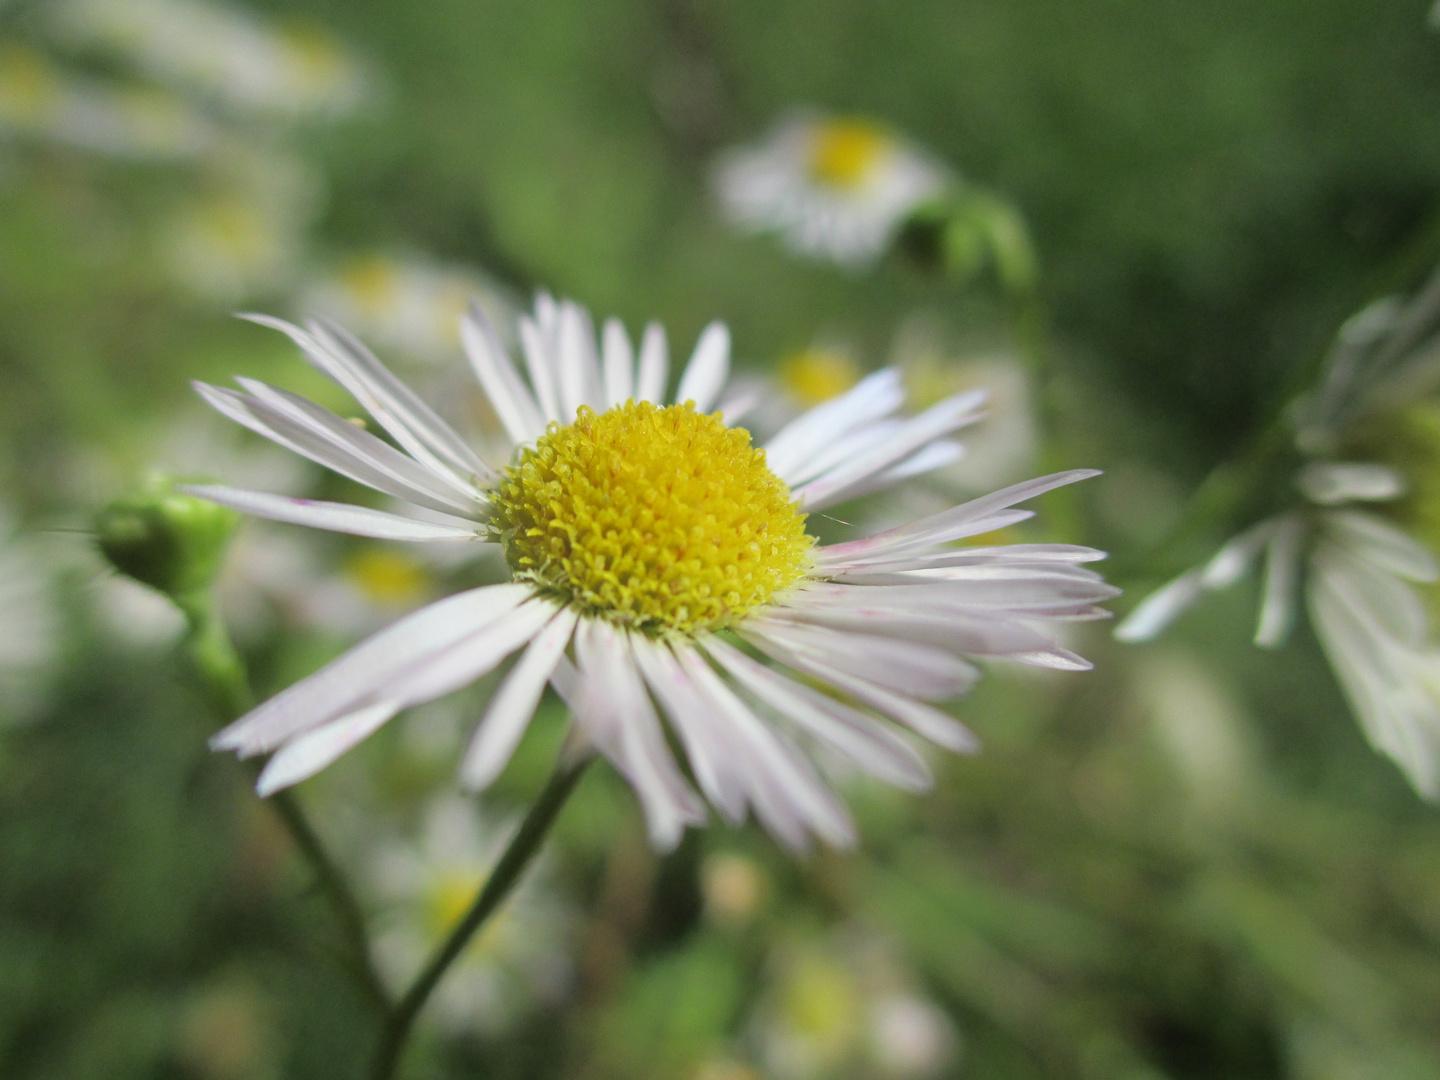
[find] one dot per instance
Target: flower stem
(212, 656)
(521, 850)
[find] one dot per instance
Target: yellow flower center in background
(388, 577)
(844, 153)
(662, 519)
(816, 375)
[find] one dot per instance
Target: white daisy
(1355, 567)
(651, 546)
(425, 885)
(834, 187)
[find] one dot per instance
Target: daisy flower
(836, 188)
(653, 553)
(1356, 569)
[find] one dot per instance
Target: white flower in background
(834, 187)
(636, 534)
(242, 62)
(846, 1007)
(521, 958)
(246, 232)
(1356, 568)
(29, 622)
(39, 101)
(410, 303)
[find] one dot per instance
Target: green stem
(211, 654)
(521, 850)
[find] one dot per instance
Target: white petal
(336, 517)
(619, 361)
(1377, 540)
(1036, 554)
(1282, 578)
(513, 402)
(734, 409)
(934, 423)
(707, 370)
(510, 710)
(619, 718)
(959, 521)
(324, 438)
(394, 405)
(1332, 482)
(544, 375)
(654, 366)
(313, 751)
(861, 739)
(579, 367)
(472, 657)
(873, 397)
(785, 787)
(362, 674)
(1234, 560)
(1161, 608)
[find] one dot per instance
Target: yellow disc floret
(844, 153)
(662, 519)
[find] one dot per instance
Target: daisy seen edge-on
(646, 543)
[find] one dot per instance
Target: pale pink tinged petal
(367, 669)
(1023, 554)
(510, 710)
(328, 440)
(619, 364)
(578, 365)
(708, 368)
(1161, 608)
(513, 402)
(859, 738)
(415, 426)
(476, 655)
(1382, 543)
(543, 375)
(1234, 560)
(566, 681)
(654, 364)
(1282, 582)
(877, 395)
(785, 786)
(617, 714)
(956, 522)
(934, 423)
(925, 720)
(307, 754)
(905, 666)
(335, 517)
(935, 456)
(1033, 592)
(710, 744)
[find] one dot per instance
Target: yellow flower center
(844, 153)
(661, 519)
(388, 577)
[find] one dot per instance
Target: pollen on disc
(662, 519)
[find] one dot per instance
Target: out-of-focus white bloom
(246, 234)
(834, 187)
(844, 1007)
(242, 62)
(1355, 568)
(667, 527)
(408, 303)
(39, 101)
(426, 884)
(29, 622)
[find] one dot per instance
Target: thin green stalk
(502, 880)
(212, 656)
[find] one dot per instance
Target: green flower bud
(172, 542)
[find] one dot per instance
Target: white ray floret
(886, 623)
